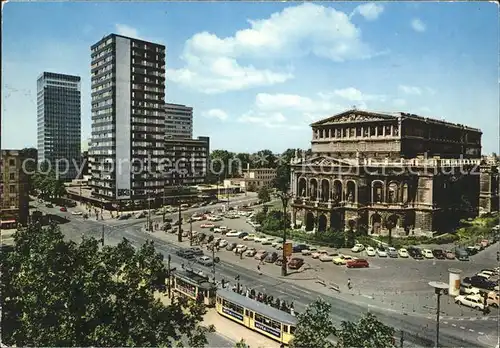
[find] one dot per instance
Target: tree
(314, 327)
(241, 344)
(368, 332)
(29, 157)
(264, 194)
(282, 180)
(59, 293)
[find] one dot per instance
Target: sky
(259, 73)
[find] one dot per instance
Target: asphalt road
(418, 331)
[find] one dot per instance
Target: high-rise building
(128, 118)
(59, 123)
(188, 157)
(178, 121)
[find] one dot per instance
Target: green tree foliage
(314, 327)
(264, 194)
(59, 293)
(29, 156)
(282, 180)
(241, 344)
(368, 332)
(48, 186)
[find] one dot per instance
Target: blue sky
(257, 74)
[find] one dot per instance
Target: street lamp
(439, 288)
(179, 188)
(285, 198)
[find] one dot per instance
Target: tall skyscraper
(59, 122)
(178, 121)
(128, 118)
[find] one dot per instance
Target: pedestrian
(258, 269)
(349, 286)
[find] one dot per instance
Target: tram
(194, 286)
(264, 319)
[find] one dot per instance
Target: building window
(12, 188)
(12, 162)
(12, 176)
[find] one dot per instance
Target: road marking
(484, 318)
(454, 325)
(445, 322)
(471, 330)
(228, 265)
(296, 288)
(473, 319)
(463, 328)
(461, 319)
(481, 333)
(368, 296)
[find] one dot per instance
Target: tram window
(285, 328)
(232, 306)
(268, 322)
(292, 329)
(248, 313)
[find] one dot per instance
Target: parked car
(231, 247)
(468, 289)
(358, 248)
(480, 282)
(485, 275)
(381, 252)
(357, 263)
(259, 238)
(342, 259)
(241, 248)
(249, 237)
(49, 205)
(76, 213)
(233, 234)
(473, 301)
(317, 254)
(197, 251)
(141, 215)
(267, 241)
(279, 261)
(392, 252)
(242, 235)
(415, 253)
(439, 254)
(485, 243)
(223, 243)
(299, 247)
(271, 257)
(450, 255)
(207, 225)
(277, 242)
(328, 256)
(470, 250)
(493, 299)
(124, 216)
(205, 260)
(250, 252)
(427, 253)
(296, 263)
(63, 209)
(461, 254)
(261, 255)
(185, 254)
(402, 252)
(370, 251)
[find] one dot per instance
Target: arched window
(392, 194)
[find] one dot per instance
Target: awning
(7, 222)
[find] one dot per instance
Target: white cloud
(410, 90)
(353, 94)
(370, 11)
(213, 64)
(269, 120)
(216, 113)
(125, 30)
(418, 25)
(398, 102)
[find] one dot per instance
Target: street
(418, 328)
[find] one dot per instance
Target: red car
(63, 209)
(295, 263)
(358, 263)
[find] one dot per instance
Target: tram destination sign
(268, 329)
(232, 313)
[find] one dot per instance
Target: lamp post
(285, 198)
(179, 186)
(439, 287)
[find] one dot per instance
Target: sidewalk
(229, 329)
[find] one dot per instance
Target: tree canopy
(59, 293)
(48, 185)
(315, 328)
(264, 194)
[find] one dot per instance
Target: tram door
(248, 318)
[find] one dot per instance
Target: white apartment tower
(178, 121)
(128, 118)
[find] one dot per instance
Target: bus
(264, 319)
(194, 286)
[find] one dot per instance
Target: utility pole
(164, 198)
(190, 232)
(285, 197)
(401, 341)
(438, 289)
(238, 283)
(169, 276)
(213, 260)
(179, 232)
(149, 211)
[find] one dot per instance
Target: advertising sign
(268, 329)
(232, 313)
(288, 249)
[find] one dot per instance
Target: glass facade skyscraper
(59, 123)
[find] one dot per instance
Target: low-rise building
(187, 157)
(13, 190)
(254, 179)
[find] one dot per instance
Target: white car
(223, 243)
(370, 251)
(403, 253)
(277, 242)
(306, 252)
(259, 239)
(358, 248)
(267, 241)
(485, 274)
(317, 254)
(250, 252)
(427, 253)
(76, 213)
(240, 248)
(328, 257)
(313, 247)
(473, 301)
(381, 252)
(249, 237)
(233, 234)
